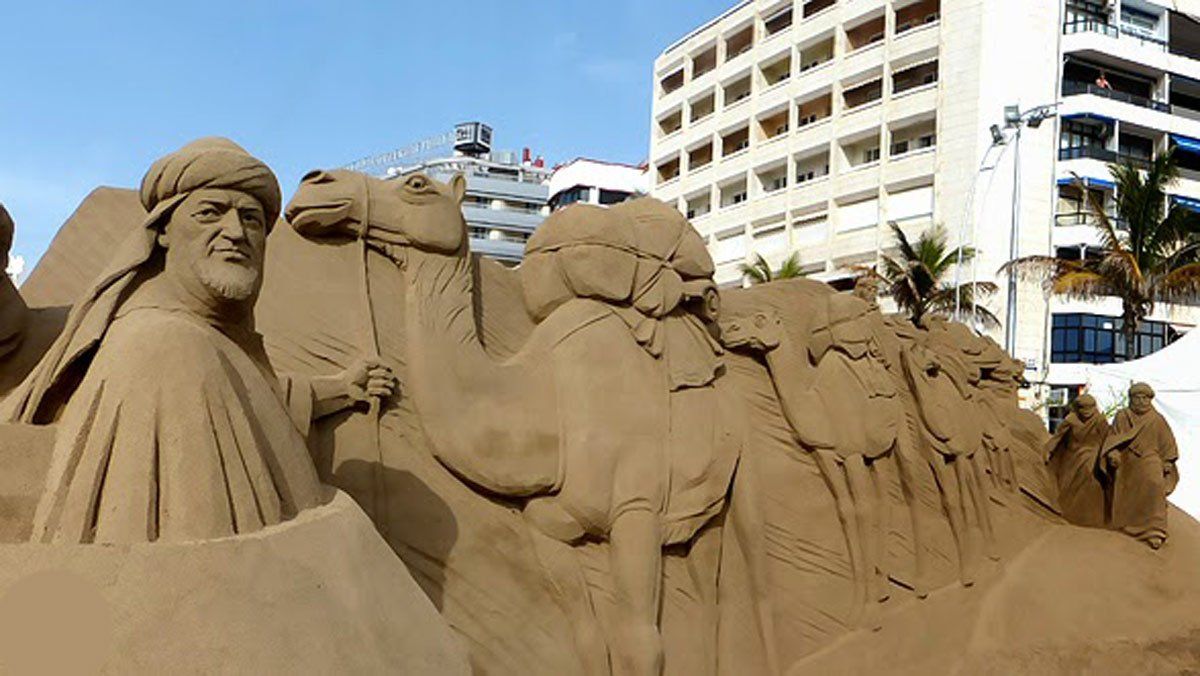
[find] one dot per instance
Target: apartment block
(808, 126)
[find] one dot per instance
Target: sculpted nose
(232, 227)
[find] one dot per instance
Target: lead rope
(371, 347)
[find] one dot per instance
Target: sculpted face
(1139, 402)
(1085, 407)
(215, 242)
(760, 331)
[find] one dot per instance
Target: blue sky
(94, 92)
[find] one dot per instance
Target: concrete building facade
(809, 125)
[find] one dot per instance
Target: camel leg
(881, 528)
(636, 555)
(559, 561)
(748, 523)
(954, 505)
(836, 478)
(907, 453)
(865, 512)
(983, 509)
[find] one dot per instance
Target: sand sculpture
(25, 333)
(596, 463)
(1138, 458)
(1073, 454)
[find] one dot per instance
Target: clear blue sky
(94, 92)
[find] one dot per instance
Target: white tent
(1174, 373)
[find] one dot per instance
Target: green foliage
(759, 271)
(917, 277)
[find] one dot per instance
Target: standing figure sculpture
(171, 424)
(1073, 454)
(1138, 459)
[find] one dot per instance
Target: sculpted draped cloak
(177, 431)
(1074, 451)
(1146, 475)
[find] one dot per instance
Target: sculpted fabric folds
(192, 453)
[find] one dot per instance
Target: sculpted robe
(175, 432)
(1146, 475)
(1074, 451)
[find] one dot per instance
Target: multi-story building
(596, 182)
(506, 197)
(809, 125)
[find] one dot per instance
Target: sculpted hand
(369, 378)
(1114, 460)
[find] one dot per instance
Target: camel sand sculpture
(843, 380)
(539, 424)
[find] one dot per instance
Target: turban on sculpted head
(212, 162)
(6, 233)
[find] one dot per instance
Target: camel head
(758, 331)
(411, 211)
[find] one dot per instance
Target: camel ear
(458, 187)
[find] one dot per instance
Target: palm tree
(915, 279)
(759, 271)
(1155, 258)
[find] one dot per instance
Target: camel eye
(418, 183)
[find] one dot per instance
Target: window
(1138, 20)
(927, 141)
(900, 148)
(870, 155)
(739, 197)
(1097, 339)
(613, 196)
(779, 22)
(577, 194)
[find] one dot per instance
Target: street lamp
(1016, 120)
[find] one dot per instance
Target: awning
(1186, 202)
(1186, 143)
(1089, 182)
(1090, 117)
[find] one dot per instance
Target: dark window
(1097, 339)
(612, 196)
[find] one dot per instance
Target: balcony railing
(1102, 154)
(1072, 218)
(1072, 88)
(1112, 31)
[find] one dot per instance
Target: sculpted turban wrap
(6, 233)
(205, 163)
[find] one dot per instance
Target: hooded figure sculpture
(172, 425)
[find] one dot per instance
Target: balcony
(1102, 154)
(1112, 31)
(1071, 88)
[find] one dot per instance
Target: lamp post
(1015, 121)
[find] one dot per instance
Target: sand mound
(322, 593)
(1075, 601)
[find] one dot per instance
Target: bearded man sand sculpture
(197, 452)
(1138, 458)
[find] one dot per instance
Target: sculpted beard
(227, 280)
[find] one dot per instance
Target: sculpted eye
(207, 213)
(417, 182)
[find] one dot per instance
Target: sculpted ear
(458, 187)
